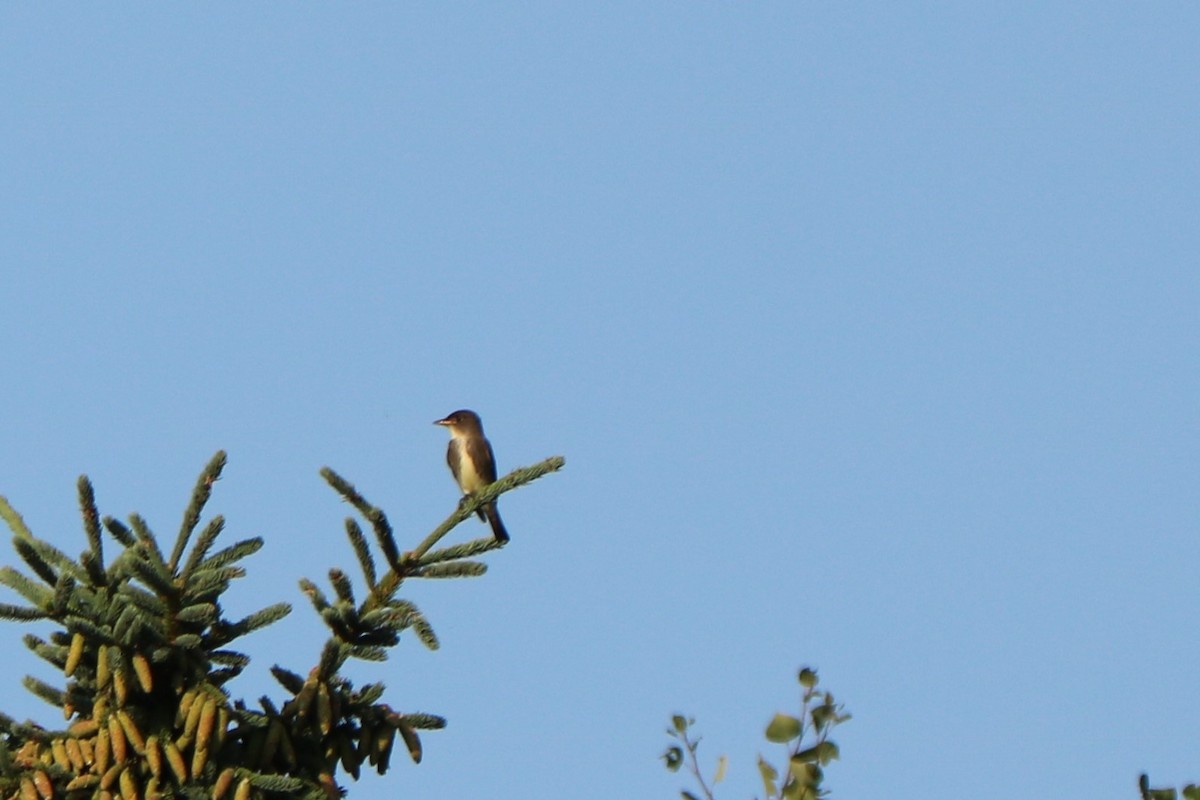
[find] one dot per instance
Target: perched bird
(472, 462)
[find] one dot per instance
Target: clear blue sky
(869, 334)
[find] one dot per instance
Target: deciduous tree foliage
(805, 738)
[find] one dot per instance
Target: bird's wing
(485, 460)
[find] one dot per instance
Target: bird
(472, 462)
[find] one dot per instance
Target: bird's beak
(441, 422)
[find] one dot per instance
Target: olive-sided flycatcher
(472, 462)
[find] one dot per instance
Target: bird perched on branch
(472, 462)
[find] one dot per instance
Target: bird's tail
(493, 518)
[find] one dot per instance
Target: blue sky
(868, 332)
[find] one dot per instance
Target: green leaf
(804, 772)
(673, 758)
(686, 795)
(807, 677)
(820, 753)
(783, 728)
(769, 775)
(680, 722)
(822, 716)
(793, 791)
(722, 765)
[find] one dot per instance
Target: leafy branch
(806, 738)
(1189, 792)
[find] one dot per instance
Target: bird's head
(461, 421)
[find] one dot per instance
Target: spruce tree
(144, 647)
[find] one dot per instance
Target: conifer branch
(518, 477)
(359, 542)
(150, 570)
(201, 614)
(230, 658)
(412, 559)
(63, 591)
(456, 569)
(40, 596)
(52, 695)
(235, 552)
(140, 640)
(55, 654)
(207, 584)
(149, 603)
(20, 613)
(33, 558)
(203, 544)
(333, 656)
(260, 619)
(147, 539)
(341, 618)
(425, 721)
(188, 641)
(57, 558)
(319, 600)
(191, 517)
(367, 652)
(14, 521)
(454, 552)
(424, 632)
(341, 585)
(91, 518)
(118, 531)
(87, 628)
(372, 514)
(280, 784)
(288, 679)
(93, 565)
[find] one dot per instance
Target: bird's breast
(467, 474)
